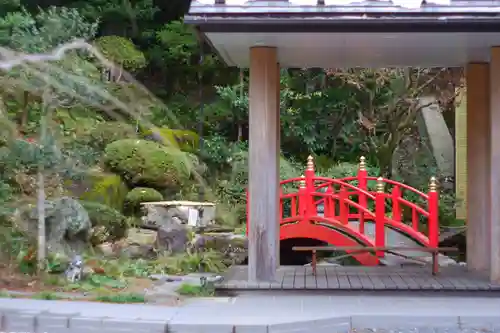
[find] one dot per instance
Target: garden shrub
(107, 132)
(140, 194)
(147, 163)
(108, 189)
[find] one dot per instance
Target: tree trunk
(25, 111)
(41, 201)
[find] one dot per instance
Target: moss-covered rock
(187, 141)
(140, 194)
(108, 224)
(146, 163)
(105, 188)
(106, 132)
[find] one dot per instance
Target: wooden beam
(478, 209)
(493, 238)
(461, 153)
(263, 165)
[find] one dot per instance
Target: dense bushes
(107, 132)
(105, 188)
(142, 162)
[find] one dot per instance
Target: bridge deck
(338, 278)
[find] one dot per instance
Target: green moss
(108, 189)
(187, 141)
(140, 194)
(147, 163)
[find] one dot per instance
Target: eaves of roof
(294, 16)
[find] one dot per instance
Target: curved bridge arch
(330, 235)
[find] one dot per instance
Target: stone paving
(259, 314)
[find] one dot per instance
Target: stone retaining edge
(19, 321)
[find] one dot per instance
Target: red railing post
(311, 209)
(329, 210)
(396, 207)
(302, 197)
(281, 206)
(433, 207)
(343, 207)
(363, 185)
(380, 217)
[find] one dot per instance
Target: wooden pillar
(478, 185)
(461, 153)
(494, 174)
(263, 164)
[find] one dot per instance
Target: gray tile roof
(327, 7)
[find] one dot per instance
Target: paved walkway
(258, 314)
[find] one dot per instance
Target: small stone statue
(74, 272)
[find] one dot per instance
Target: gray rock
(234, 247)
(173, 238)
(67, 224)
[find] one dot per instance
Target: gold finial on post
(433, 185)
(310, 163)
(302, 183)
(362, 163)
(380, 185)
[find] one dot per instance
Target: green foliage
(142, 162)
(7, 130)
(122, 52)
(187, 289)
(114, 223)
(47, 296)
(107, 132)
(141, 194)
(207, 261)
(122, 298)
(108, 189)
(49, 28)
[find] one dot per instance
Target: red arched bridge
(357, 211)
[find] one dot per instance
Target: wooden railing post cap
(362, 163)
(310, 163)
(433, 184)
(380, 184)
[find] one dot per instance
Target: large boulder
(173, 238)
(67, 225)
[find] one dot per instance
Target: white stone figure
(74, 272)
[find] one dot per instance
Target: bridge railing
(355, 198)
